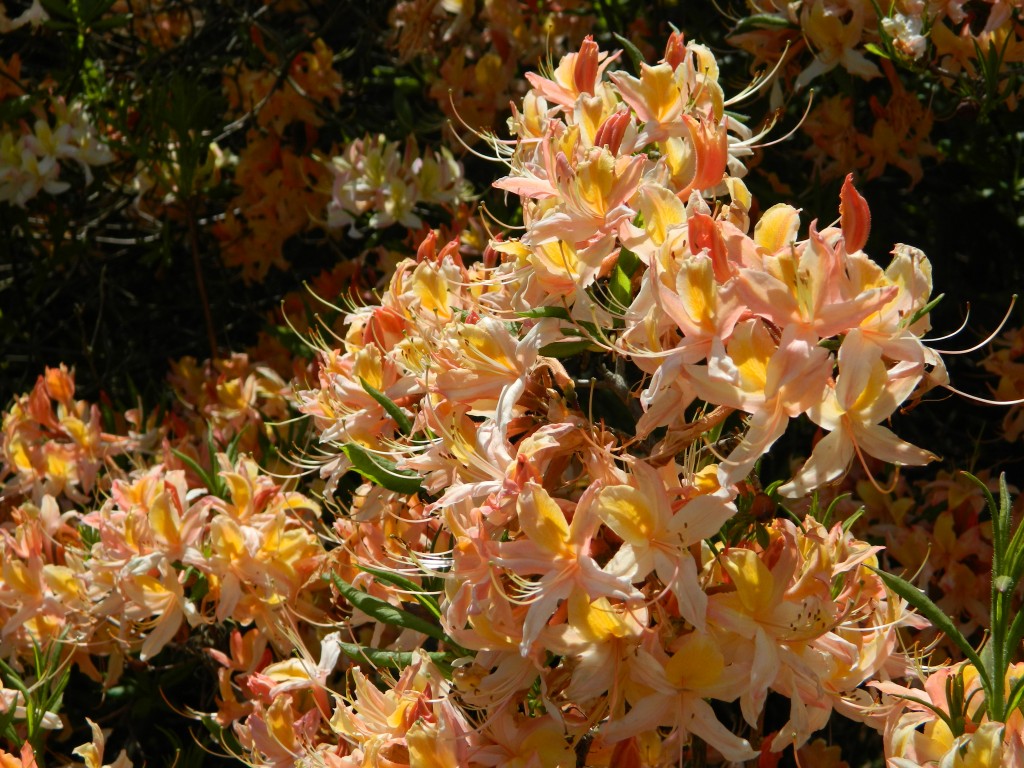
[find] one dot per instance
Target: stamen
(979, 345)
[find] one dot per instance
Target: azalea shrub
(551, 385)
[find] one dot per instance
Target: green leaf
(621, 283)
(91, 10)
(382, 471)
(392, 659)
(1016, 695)
(636, 58)
(880, 52)
(194, 466)
(401, 419)
(827, 519)
(848, 523)
(926, 309)
(7, 730)
(763, 21)
(937, 617)
(111, 22)
(1016, 632)
(427, 601)
(384, 612)
(538, 312)
(57, 8)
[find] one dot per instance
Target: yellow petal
(754, 582)
(777, 228)
(628, 512)
(542, 520)
(697, 665)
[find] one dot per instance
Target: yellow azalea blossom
(559, 552)
(658, 539)
(865, 393)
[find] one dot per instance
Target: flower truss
(539, 432)
(972, 51)
(952, 35)
(540, 542)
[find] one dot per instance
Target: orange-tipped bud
(584, 74)
(611, 131)
(675, 50)
(428, 248)
(854, 216)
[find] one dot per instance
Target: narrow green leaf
(636, 58)
(382, 471)
(13, 680)
(427, 601)
(998, 528)
(827, 518)
(111, 22)
(401, 419)
(57, 8)
(880, 52)
(935, 615)
(926, 309)
(621, 282)
(7, 729)
(848, 523)
(763, 21)
(194, 466)
(539, 312)
(1016, 632)
(392, 659)
(91, 11)
(384, 612)
(1016, 696)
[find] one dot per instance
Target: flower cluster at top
(975, 52)
(955, 37)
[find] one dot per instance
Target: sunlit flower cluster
(585, 563)
(531, 512)
(972, 52)
(846, 34)
(157, 556)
